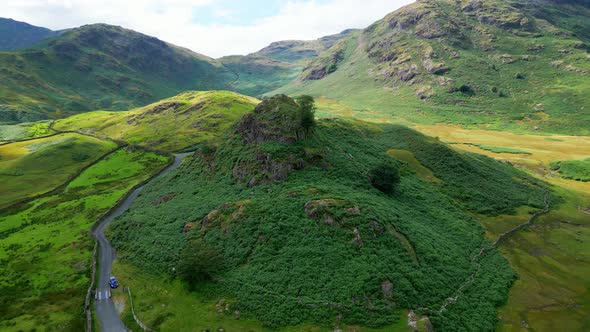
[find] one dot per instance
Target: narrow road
(105, 310)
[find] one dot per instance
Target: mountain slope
(277, 64)
(298, 234)
(15, 35)
(107, 67)
(100, 67)
(507, 64)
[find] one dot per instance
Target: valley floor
(551, 258)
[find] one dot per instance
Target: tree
(198, 262)
(307, 108)
(385, 177)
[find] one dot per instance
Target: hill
(519, 65)
(16, 35)
(173, 124)
(290, 229)
(99, 67)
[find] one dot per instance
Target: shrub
(466, 89)
(307, 107)
(385, 177)
(198, 262)
(519, 76)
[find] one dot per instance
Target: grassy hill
(172, 124)
(99, 67)
(519, 65)
(15, 35)
(295, 233)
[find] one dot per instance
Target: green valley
(428, 171)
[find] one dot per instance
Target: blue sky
(237, 12)
(211, 27)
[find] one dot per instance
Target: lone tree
(385, 177)
(198, 262)
(307, 107)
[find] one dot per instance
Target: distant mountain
(100, 67)
(295, 50)
(107, 67)
(16, 35)
(520, 64)
(275, 65)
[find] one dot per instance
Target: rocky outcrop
(275, 119)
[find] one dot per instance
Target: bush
(198, 262)
(466, 89)
(385, 177)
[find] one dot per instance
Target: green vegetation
(24, 131)
(173, 124)
(578, 170)
(305, 238)
(133, 72)
(385, 177)
(499, 149)
(307, 108)
(256, 74)
(511, 67)
(46, 250)
(186, 310)
(37, 166)
(198, 262)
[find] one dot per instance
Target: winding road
(105, 310)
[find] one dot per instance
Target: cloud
(173, 20)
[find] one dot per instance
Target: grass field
(36, 166)
(46, 250)
(173, 124)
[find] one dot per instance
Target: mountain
(100, 67)
(521, 65)
(288, 225)
(16, 35)
(295, 50)
(275, 65)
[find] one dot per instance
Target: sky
(211, 27)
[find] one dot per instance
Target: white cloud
(172, 20)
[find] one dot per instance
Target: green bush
(198, 262)
(385, 177)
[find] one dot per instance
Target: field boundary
(137, 320)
